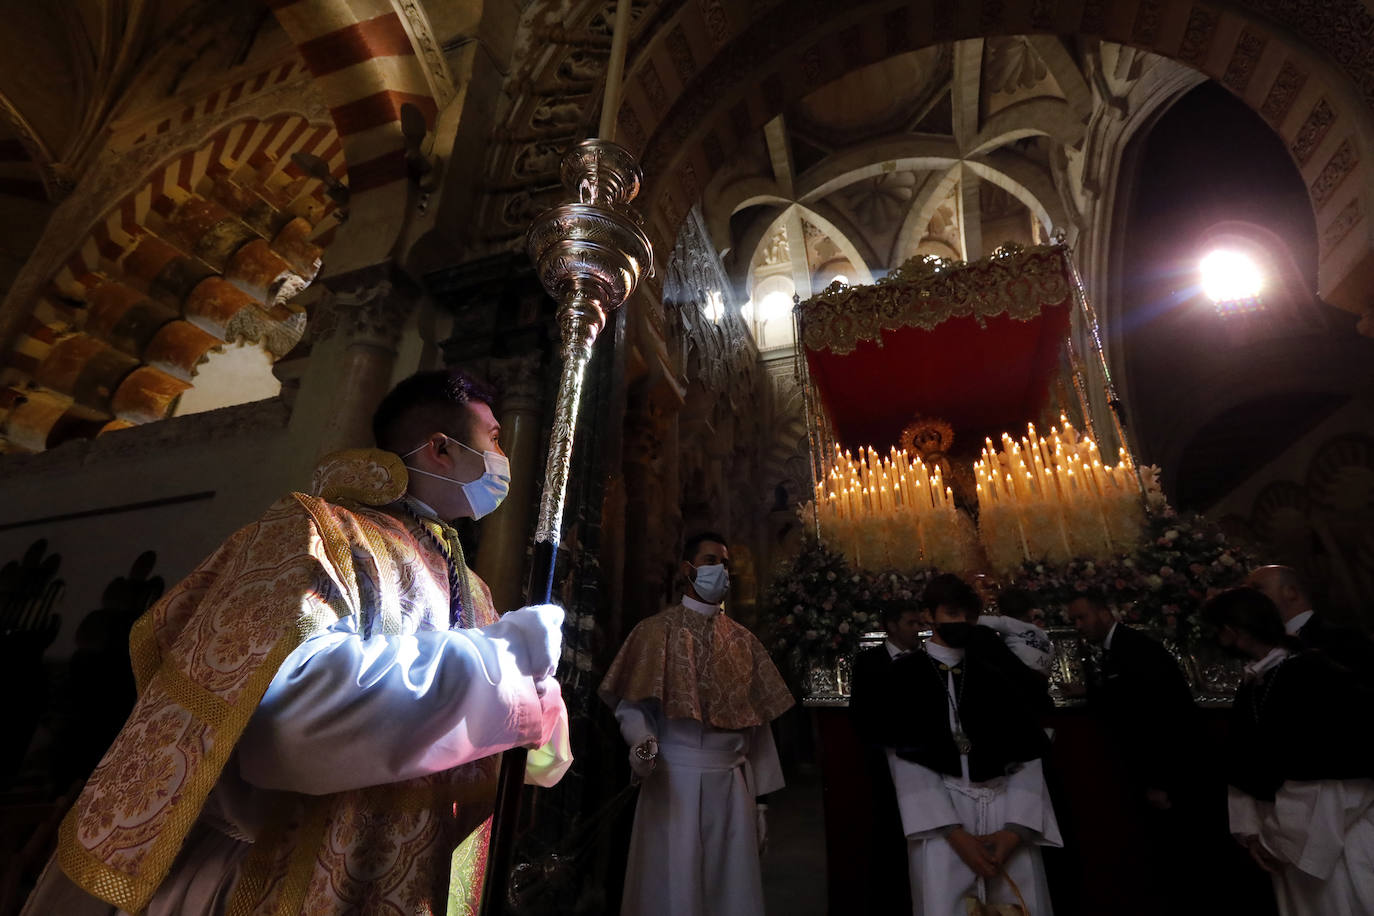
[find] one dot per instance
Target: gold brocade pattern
(204, 656)
(924, 292)
(710, 669)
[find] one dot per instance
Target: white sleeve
(637, 721)
(764, 767)
(1244, 813)
(996, 622)
(1029, 806)
(344, 712)
(1308, 822)
(922, 798)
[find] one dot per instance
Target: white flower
(1154, 581)
(1171, 534)
(810, 634)
(830, 577)
(1227, 560)
(1128, 563)
(843, 628)
(797, 609)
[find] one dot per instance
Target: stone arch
(209, 246)
(369, 58)
(730, 72)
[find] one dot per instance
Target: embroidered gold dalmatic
(203, 658)
(710, 669)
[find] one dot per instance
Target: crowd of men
(957, 746)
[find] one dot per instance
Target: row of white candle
(1052, 498)
(880, 485)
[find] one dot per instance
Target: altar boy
(1300, 768)
(966, 763)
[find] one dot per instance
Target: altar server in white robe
(1300, 767)
(966, 763)
(695, 693)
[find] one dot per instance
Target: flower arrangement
(821, 604)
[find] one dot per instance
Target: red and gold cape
(203, 657)
(711, 669)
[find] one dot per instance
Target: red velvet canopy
(976, 345)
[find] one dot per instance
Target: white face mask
(711, 582)
(486, 492)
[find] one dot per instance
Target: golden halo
(923, 428)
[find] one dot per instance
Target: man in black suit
(873, 705)
(1138, 693)
(1345, 646)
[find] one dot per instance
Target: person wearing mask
(966, 760)
(695, 694)
(323, 702)
(1300, 770)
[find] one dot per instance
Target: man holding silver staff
(324, 700)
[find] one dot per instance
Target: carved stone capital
(517, 379)
(372, 313)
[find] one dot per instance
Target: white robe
(694, 847)
(1323, 832)
(344, 712)
(930, 803)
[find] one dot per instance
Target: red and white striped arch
(366, 67)
(264, 146)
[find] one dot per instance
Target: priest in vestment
(695, 693)
(323, 701)
(1300, 767)
(966, 760)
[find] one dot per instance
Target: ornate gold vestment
(203, 657)
(710, 669)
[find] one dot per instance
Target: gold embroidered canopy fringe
(926, 291)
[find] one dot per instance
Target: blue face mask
(486, 492)
(711, 582)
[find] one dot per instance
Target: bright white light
(1229, 276)
(746, 311)
(839, 278)
(714, 307)
(775, 305)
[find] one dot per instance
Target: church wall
(1310, 508)
(176, 488)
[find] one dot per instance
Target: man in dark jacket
(1138, 693)
(873, 706)
(1346, 646)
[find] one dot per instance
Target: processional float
(590, 255)
(948, 388)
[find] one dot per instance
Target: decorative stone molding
(417, 26)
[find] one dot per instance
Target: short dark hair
(425, 404)
(950, 591)
(1016, 603)
(891, 611)
(693, 543)
(1247, 609)
(1091, 595)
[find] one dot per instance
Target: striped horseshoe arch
(210, 248)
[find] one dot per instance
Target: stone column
(506, 533)
(369, 318)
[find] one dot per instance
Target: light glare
(1230, 276)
